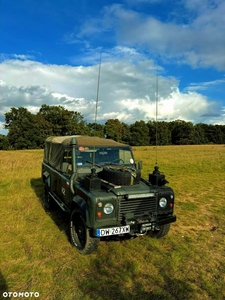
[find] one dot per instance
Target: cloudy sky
(50, 51)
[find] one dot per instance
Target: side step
(59, 202)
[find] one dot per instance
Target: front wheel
(163, 230)
(80, 234)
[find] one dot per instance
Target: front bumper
(142, 226)
(135, 227)
(170, 219)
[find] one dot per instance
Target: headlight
(163, 202)
(108, 208)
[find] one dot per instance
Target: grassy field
(189, 263)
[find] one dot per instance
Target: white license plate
(113, 231)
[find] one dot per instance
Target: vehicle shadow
(106, 279)
(3, 287)
(59, 217)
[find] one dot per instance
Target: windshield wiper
(94, 164)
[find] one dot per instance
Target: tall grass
(35, 255)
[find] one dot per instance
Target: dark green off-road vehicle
(98, 183)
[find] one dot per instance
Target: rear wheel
(158, 234)
(80, 234)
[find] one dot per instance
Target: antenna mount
(157, 178)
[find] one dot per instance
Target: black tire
(158, 234)
(48, 201)
(80, 234)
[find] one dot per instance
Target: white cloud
(127, 91)
(5, 56)
(198, 42)
(206, 85)
(186, 106)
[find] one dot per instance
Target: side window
(67, 162)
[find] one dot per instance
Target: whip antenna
(156, 177)
(156, 116)
(96, 105)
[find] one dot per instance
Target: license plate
(112, 231)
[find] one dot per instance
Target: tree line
(29, 131)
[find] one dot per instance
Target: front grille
(136, 207)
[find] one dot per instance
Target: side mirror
(140, 165)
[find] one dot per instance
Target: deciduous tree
(63, 121)
(139, 134)
(114, 130)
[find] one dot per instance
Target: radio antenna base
(157, 178)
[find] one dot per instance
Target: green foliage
(23, 129)
(29, 131)
(114, 130)
(139, 134)
(63, 121)
(96, 130)
(4, 142)
(182, 132)
(163, 133)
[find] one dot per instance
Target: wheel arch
(79, 204)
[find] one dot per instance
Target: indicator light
(99, 214)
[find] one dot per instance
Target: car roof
(83, 140)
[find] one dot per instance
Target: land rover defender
(97, 182)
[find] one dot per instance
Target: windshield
(103, 155)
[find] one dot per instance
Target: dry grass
(189, 263)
